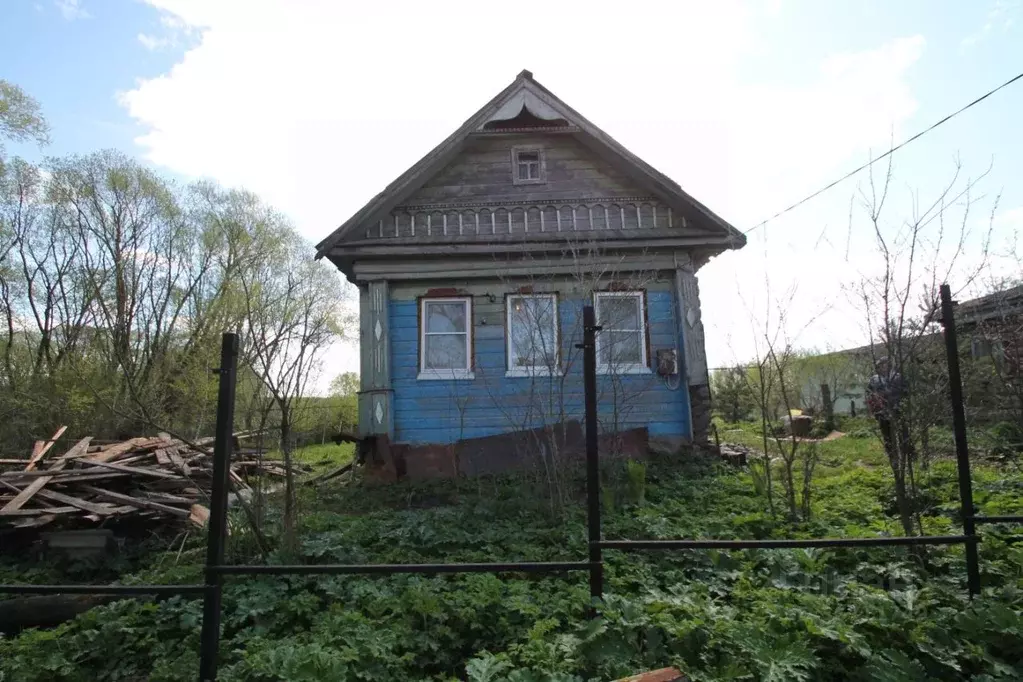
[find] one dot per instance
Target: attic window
(528, 166)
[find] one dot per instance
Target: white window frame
(532, 370)
(451, 373)
(643, 367)
(541, 165)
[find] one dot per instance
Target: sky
(316, 105)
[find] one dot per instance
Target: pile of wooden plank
(159, 478)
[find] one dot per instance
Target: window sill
(532, 372)
(624, 369)
(446, 375)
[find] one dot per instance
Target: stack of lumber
(157, 478)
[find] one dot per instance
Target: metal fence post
(589, 346)
(210, 640)
(955, 383)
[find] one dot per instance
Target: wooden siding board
(488, 267)
(445, 411)
(483, 172)
(480, 290)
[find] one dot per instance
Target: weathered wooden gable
(483, 172)
(465, 190)
(475, 196)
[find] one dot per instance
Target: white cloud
(173, 22)
(1000, 17)
(71, 9)
(153, 43)
(317, 106)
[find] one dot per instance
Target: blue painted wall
(443, 411)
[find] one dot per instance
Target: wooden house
(473, 267)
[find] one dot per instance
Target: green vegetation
(116, 284)
(868, 614)
(320, 458)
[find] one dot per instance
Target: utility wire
(887, 153)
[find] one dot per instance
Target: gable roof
(524, 99)
(999, 305)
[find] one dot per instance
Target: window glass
(532, 332)
(621, 343)
(528, 166)
(446, 334)
(446, 317)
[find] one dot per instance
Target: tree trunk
(768, 484)
(289, 541)
(790, 489)
(902, 500)
(829, 408)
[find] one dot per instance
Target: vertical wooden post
(955, 384)
(828, 407)
(210, 638)
(589, 347)
(376, 399)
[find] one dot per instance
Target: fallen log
(332, 474)
(47, 610)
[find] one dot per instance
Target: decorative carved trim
(428, 221)
(557, 130)
(688, 292)
(538, 202)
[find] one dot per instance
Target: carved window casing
(529, 165)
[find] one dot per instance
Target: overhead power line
(886, 154)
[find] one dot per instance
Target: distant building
(990, 327)
(994, 324)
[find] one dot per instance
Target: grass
(860, 443)
(846, 614)
(320, 458)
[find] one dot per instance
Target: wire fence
(216, 569)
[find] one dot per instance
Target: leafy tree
(292, 315)
(345, 390)
(839, 371)
(116, 284)
(345, 384)
(21, 117)
(730, 391)
(914, 255)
